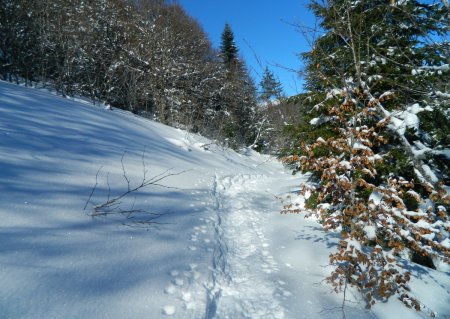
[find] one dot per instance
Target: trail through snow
(221, 249)
(241, 283)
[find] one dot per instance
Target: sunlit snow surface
(221, 249)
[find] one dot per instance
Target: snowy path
(262, 264)
(242, 275)
(222, 251)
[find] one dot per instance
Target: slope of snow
(220, 250)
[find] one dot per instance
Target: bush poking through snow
(114, 205)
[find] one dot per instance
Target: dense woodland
(372, 125)
(146, 56)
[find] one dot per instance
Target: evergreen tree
(238, 94)
(370, 82)
(270, 87)
(228, 48)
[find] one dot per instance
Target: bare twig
(124, 171)
(143, 165)
(93, 188)
(256, 57)
(109, 186)
(113, 205)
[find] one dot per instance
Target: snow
(345, 164)
(419, 175)
(441, 265)
(442, 94)
(376, 197)
(429, 172)
(221, 249)
(402, 120)
(443, 67)
(334, 92)
(446, 243)
(315, 121)
(320, 140)
(374, 78)
(401, 2)
(411, 120)
(357, 145)
(425, 225)
(445, 152)
(375, 158)
(415, 108)
(370, 231)
(419, 149)
(169, 310)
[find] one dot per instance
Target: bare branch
(109, 186)
(143, 165)
(124, 172)
(93, 188)
(113, 205)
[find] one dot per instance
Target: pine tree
(238, 95)
(369, 82)
(228, 48)
(270, 87)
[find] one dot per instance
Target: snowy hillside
(220, 248)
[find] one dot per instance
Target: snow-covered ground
(221, 249)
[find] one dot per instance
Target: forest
(148, 57)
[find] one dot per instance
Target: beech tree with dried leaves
(370, 75)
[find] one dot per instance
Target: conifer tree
(228, 48)
(270, 87)
(238, 95)
(369, 83)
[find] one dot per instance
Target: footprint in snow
(186, 296)
(170, 289)
(174, 273)
(178, 281)
(169, 310)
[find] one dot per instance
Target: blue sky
(262, 30)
